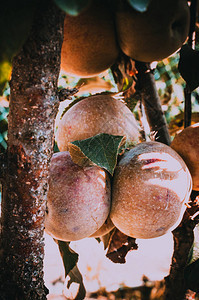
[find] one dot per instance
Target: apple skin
(155, 34)
(89, 45)
(150, 185)
(186, 144)
(104, 229)
(94, 115)
(78, 199)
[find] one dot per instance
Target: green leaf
(189, 66)
(73, 7)
(191, 276)
(102, 150)
(139, 5)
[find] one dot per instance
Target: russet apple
(78, 199)
(94, 115)
(186, 144)
(150, 186)
(89, 45)
(155, 34)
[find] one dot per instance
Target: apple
(78, 199)
(94, 115)
(154, 34)
(150, 187)
(186, 144)
(89, 45)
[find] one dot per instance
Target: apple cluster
(144, 198)
(94, 39)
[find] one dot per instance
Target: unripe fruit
(186, 144)
(150, 185)
(154, 34)
(94, 115)
(89, 45)
(78, 200)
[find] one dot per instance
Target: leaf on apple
(101, 150)
(189, 66)
(139, 5)
(72, 7)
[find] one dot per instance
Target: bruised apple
(94, 115)
(78, 200)
(150, 185)
(89, 45)
(154, 34)
(186, 143)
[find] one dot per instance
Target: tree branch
(33, 107)
(183, 237)
(147, 88)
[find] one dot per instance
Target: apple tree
(125, 36)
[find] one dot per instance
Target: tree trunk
(33, 107)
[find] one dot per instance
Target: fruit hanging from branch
(78, 200)
(94, 115)
(186, 144)
(154, 34)
(150, 186)
(89, 45)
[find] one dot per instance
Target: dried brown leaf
(119, 245)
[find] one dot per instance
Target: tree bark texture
(147, 88)
(183, 237)
(33, 107)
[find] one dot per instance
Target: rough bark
(147, 88)
(33, 107)
(183, 237)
